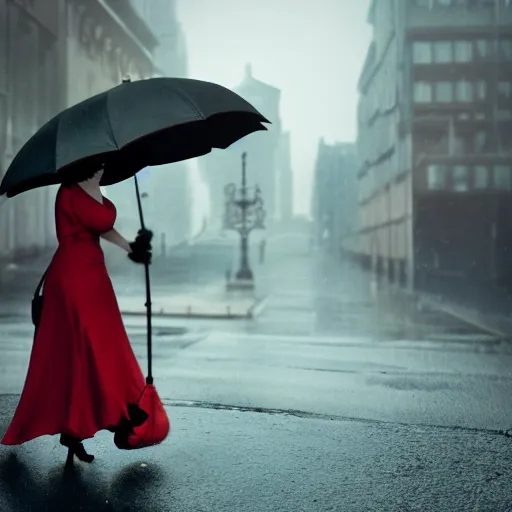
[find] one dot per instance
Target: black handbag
(37, 302)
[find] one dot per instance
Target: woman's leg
(75, 447)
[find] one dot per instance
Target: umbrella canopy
(136, 124)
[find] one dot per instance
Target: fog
(312, 51)
(325, 304)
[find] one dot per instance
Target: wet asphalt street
(328, 401)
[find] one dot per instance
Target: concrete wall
(472, 13)
(383, 187)
(30, 93)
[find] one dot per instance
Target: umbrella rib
(109, 122)
(189, 101)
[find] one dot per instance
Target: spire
(248, 70)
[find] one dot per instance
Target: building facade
(434, 119)
(334, 198)
(53, 54)
(30, 87)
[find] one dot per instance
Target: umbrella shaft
(149, 378)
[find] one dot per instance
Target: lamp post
(243, 215)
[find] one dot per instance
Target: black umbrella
(132, 126)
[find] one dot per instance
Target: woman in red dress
(83, 372)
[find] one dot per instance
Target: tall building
(434, 140)
(335, 208)
(53, 54)
(30, 93)
(220, 168)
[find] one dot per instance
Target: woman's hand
(140, 248)
(141, 257)
(143, 241)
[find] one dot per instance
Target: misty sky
(313, 50)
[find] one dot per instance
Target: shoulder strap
(41, 281)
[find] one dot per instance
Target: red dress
(82, 371)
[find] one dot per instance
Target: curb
(252, 312)
(204, 316)
(467, 318)
(451, 310)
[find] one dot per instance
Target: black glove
(140, 256)
(143, 241)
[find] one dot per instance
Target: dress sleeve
(93, 216)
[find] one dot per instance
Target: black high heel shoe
(75, 447)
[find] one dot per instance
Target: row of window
(469, 143)
(466, 3)
(461, 178)
(460, 90)
(447, 52)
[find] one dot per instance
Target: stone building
(30, 93)
(435, 118)
(53, 54)
(56, 53)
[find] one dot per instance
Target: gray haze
(312, 51)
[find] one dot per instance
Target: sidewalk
(497, 322)
(488, 311)
(177, 291)
(207, 302)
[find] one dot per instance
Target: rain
(328, 310)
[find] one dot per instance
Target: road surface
(329, 400)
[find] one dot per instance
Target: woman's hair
(80, 175)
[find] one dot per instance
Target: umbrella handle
(149, 378)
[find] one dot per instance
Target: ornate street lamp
(243, 215)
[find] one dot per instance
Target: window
(506, 140)
(463, 51)
(460, 178)
(422, 53)
(504, 115)
(463, 91)
(506, 49)
(481, 90)
(481, 177)
(459, 145)
(436, 177)
(443, 52)
(483, 49)
(444, 92)
(480, 141)
(422, 92)
(502, 177)
(504, 90)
